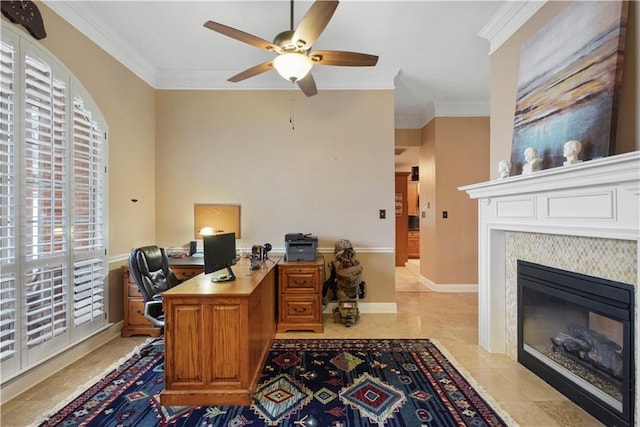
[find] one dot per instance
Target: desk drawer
(300, 309)
(134, 291)
(136, 313)
(300, 280)
(185, 273)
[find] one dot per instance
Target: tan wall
(428, 166)
(504, 76)
(329, 176)
(408, 137)
(128, 105)
(460, 148)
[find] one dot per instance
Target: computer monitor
(219, 253)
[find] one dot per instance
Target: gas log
(591, 347)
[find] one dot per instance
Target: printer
(300, 247)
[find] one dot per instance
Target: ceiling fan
(293, 60)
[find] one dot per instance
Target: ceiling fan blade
(314, 22)
(308, 85)
(342, 58)
(253, 71)
(242, 36)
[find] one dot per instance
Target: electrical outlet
(383, 213)
(445, 214)
(424, 214)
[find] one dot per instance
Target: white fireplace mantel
(598, 198)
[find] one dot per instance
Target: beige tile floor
(449, 318)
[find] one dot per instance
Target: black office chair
(150, 269)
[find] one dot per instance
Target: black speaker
(193, 247)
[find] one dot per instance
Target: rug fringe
(474, 383)
(82, 388)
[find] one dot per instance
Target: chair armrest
(153, 312)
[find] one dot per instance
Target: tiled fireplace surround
(582, 218)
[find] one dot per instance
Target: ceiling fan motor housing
(286, 43)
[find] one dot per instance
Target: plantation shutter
(53, 195)
(8, 270)
(88, 209)
(45, 210)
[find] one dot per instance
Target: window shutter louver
(87, 180)
(46, 299)
(88, 290)
(8, 282)
(45, 204)
(88, 208)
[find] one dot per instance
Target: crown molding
(507, 20)
(416, 121)
(406, 121)
(78, 15)
(444, 109)
(441, 109)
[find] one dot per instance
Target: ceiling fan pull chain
(292, 118)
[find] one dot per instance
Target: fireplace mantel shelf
(598, 198)
(621, 169)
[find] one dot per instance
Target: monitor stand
(225, 277)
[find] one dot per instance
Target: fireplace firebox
(576, 333)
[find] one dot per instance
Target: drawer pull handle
(139, 312)
(299, 309)
(302, 282)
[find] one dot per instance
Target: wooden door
(402, 219)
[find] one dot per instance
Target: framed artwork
(568, 84)
(215, 219)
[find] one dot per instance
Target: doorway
(407, 218)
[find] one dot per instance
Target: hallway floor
(449, 318)
(407, 277)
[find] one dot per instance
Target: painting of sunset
(568, 82)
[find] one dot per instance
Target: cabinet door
(413, 248)
(413, 198)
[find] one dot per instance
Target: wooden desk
(217, 336)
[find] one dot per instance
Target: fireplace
(576, 333)
(582, 218)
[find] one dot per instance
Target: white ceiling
(430, 51)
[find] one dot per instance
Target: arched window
(53, 174)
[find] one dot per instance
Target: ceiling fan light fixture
(292, 66)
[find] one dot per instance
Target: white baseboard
(443, 287)
(368, 307)
(39, 373)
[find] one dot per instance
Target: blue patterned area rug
(309, 383)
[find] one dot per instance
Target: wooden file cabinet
(300, 296)
(134, 321)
